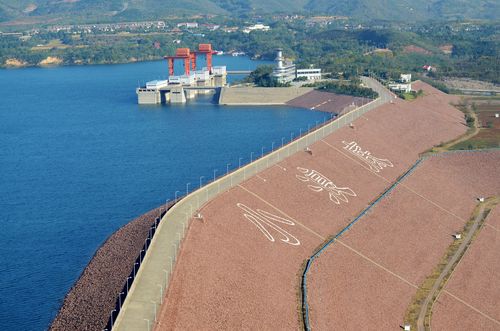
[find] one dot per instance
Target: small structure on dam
(178, 89)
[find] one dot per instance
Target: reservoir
(79, 159)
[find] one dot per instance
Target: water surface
(79, 159)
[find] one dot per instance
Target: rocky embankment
(88, 304)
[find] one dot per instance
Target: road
(458, 254)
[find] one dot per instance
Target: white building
(284, 71)
(156, 84)
(310, 74)
(182, 80)
(400, 87)
(188, 25)
(405, 78)
(256, 27)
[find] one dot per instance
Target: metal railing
(139, 311)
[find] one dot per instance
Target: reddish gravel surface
(494, 218)
(230, 276)
(407, 233)
(360, 295)
(88, 303)
(327, 102)
(451, 314)
(455, 180)
(475, 280)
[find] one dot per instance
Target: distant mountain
(142, 9)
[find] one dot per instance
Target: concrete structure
(142, 305)
(310, 74)
(179, 88)
(260, 96)
(284, 71)
(406, 88)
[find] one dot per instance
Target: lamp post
(134, 267)
(272, 147)
(128, 286)
(176, 195)
(187, 188)
(166, 277)
(161, 293)
(120, 300)
(112, 322)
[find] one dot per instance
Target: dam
(179, 89)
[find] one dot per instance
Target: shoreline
(93, 295)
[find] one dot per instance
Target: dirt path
(474, 130)
(438, 284)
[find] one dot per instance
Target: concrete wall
(148, 97)
(260, 96)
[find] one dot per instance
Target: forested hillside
(403, 10)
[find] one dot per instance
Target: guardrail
(139, 312)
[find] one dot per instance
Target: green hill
(142, 9)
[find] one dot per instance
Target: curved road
(448, 268)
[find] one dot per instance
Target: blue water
(79, 158)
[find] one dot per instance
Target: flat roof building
(309, 74)
(284, 71)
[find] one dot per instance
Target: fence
(139, 312)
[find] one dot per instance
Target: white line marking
(374, 163)
(337, 194)
(282, 212)
(264, 180)
(262, 219)
(284, 169)
(472, 307)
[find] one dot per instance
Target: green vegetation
(344, 48)
(411, 95)
(404, 10)
(262, 76)
(348, 88)
(488, 131)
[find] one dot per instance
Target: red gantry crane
(205, 49)
(189, 58)
(180, 54)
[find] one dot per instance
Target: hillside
(143, 9)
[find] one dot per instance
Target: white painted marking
(374, 163)
(263, 179)
(337, 194)
(264, 220)
(284, 169)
